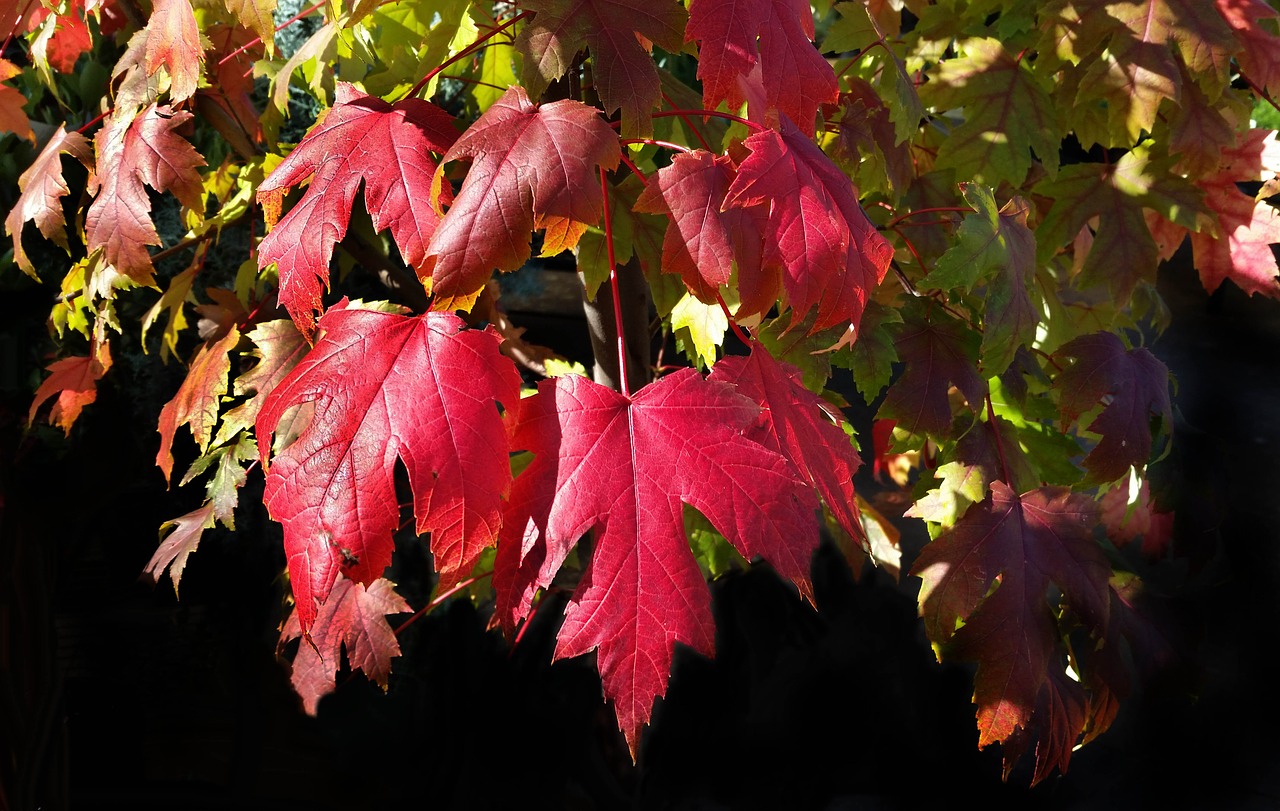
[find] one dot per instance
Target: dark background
(117, 694)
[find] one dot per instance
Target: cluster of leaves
(1020, 167)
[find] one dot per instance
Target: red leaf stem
(655, 142)
(17, 23)
(439, 599)
(995, 432)
(465, 52)
(685, 118)
(613, 288)
(737, 330)
(751, 125)
(258, 40)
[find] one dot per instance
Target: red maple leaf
(939, 352)
(985, 598)
(622, 467)
(423, 389)
(42, 188)
(150, 152)
(1247, 228)
(75, 381)
(832, 257)
(705, 241)
(801, 426)
(1135, 385)
(737, 35)
(362, 138)
(65, 37)
(618, 33)
(1260, 55)
(353, 616)
(534, 167)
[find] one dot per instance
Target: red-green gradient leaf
(1008, 113)
(173, 42)
(618, 33)
(1132, 383)
(801, 426)
(389, 148)
(989, 577)
(534, 166)
(736, 36)
(831, 255)
(151, 153)
(354, 616)
(42, 188)
(424, 390)
(622, 468)
(705, 241)
(196, 403)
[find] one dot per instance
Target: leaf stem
(635, 170)
(737, 330)
(440, 598)
(465, 52)
(1261, 91)
(86, 125)
(613, 287)
(656, 142)
(17, 23)
(696, 132)
(751, 125)
(929, 210)
(258, 40)
(995, 430)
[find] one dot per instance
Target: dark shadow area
(118, 695)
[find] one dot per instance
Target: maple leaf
(801, 426)
(259, 17)
(737, 37)
(984, 597)
(174, 550)
(533, 167)
(362, 138)
(1248, 227)
(994, 246)
(228, 477)
(423, 389)
(1260, 55)
(1128, 516)
(964, 479)
(62, 38)
(623, 467)
(12, 117)
(832, 257)
(1008, 114)
(705, 241)
(618, 33)
(174, 43)
(1132, 383)
(939, 351)
(354, 616)
(196, 403)
(42, 188)
(75, 381)
(149, 152)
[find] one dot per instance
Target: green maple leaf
(1008, 114)
(994, 248)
